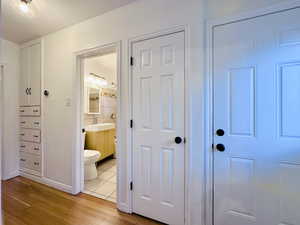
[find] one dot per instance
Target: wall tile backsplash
(108, 109)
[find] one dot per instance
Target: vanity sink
(100, 127)
(101, 137)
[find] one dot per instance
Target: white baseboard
(48, 182)
(10, 175)
(123, 207)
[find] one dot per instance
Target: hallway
(26, 202)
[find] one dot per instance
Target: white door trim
(77, 156)
(2, 70)
(131, 41)
(209, 129)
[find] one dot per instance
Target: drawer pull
(23, 160)
(23, 146)
(36, 136)
(36, 163)
(36, 123)
(36, 149)
(22, 134)
(22, 110)
(23, 122)
(35, 110)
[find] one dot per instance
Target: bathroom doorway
(99, 106)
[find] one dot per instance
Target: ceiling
(46, 16)
(104, 65)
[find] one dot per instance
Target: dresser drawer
(35, 163)
(30, 111)
(30, 161)
(23, 111)
(30, 122)
(35, 110)
(29, 147)
(24, 160)
(30, 135)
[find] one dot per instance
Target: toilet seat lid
(88, 154)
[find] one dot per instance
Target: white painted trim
(209, 130)
(78, 171)
(30, 43)
(10, 175)
(49, 182)
(2, 68)
(43, 128)
(188, 195)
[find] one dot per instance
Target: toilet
(90, 159)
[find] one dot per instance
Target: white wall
(139, 18)
(10, 151)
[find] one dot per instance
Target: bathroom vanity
(101, 137)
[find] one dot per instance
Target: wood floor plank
(26, 202)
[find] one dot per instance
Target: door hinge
(131, 123)
(131, 61)
(212, 146)
(131, 186)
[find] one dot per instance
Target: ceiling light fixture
(97, 80)
(24, 5)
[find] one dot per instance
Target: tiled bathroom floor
(105, 185)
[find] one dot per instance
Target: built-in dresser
(30, 110)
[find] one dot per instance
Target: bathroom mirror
(93, 100)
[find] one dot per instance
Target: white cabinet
(30, 81)
(30, 109)
(31, 135)
(30, 163)
(30, 122)
(32, 148)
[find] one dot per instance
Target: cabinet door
(24, 75)
(35, 74)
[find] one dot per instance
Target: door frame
(78, 156)
(131, 42)
(2, 72)
(209, 101)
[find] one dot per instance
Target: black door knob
(220, 132)
(178, 140)
(46, 93)
(220, 147)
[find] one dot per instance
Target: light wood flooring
(25, 202)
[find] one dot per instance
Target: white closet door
(158, 114)
(257, 104)
(35, 74)
(24, 77)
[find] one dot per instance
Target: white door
(24, 77)
(158, 114)
(35, 74)
(257, 105)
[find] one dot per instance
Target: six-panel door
(257, 104)
(158, 115)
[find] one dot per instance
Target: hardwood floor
(27, 202)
